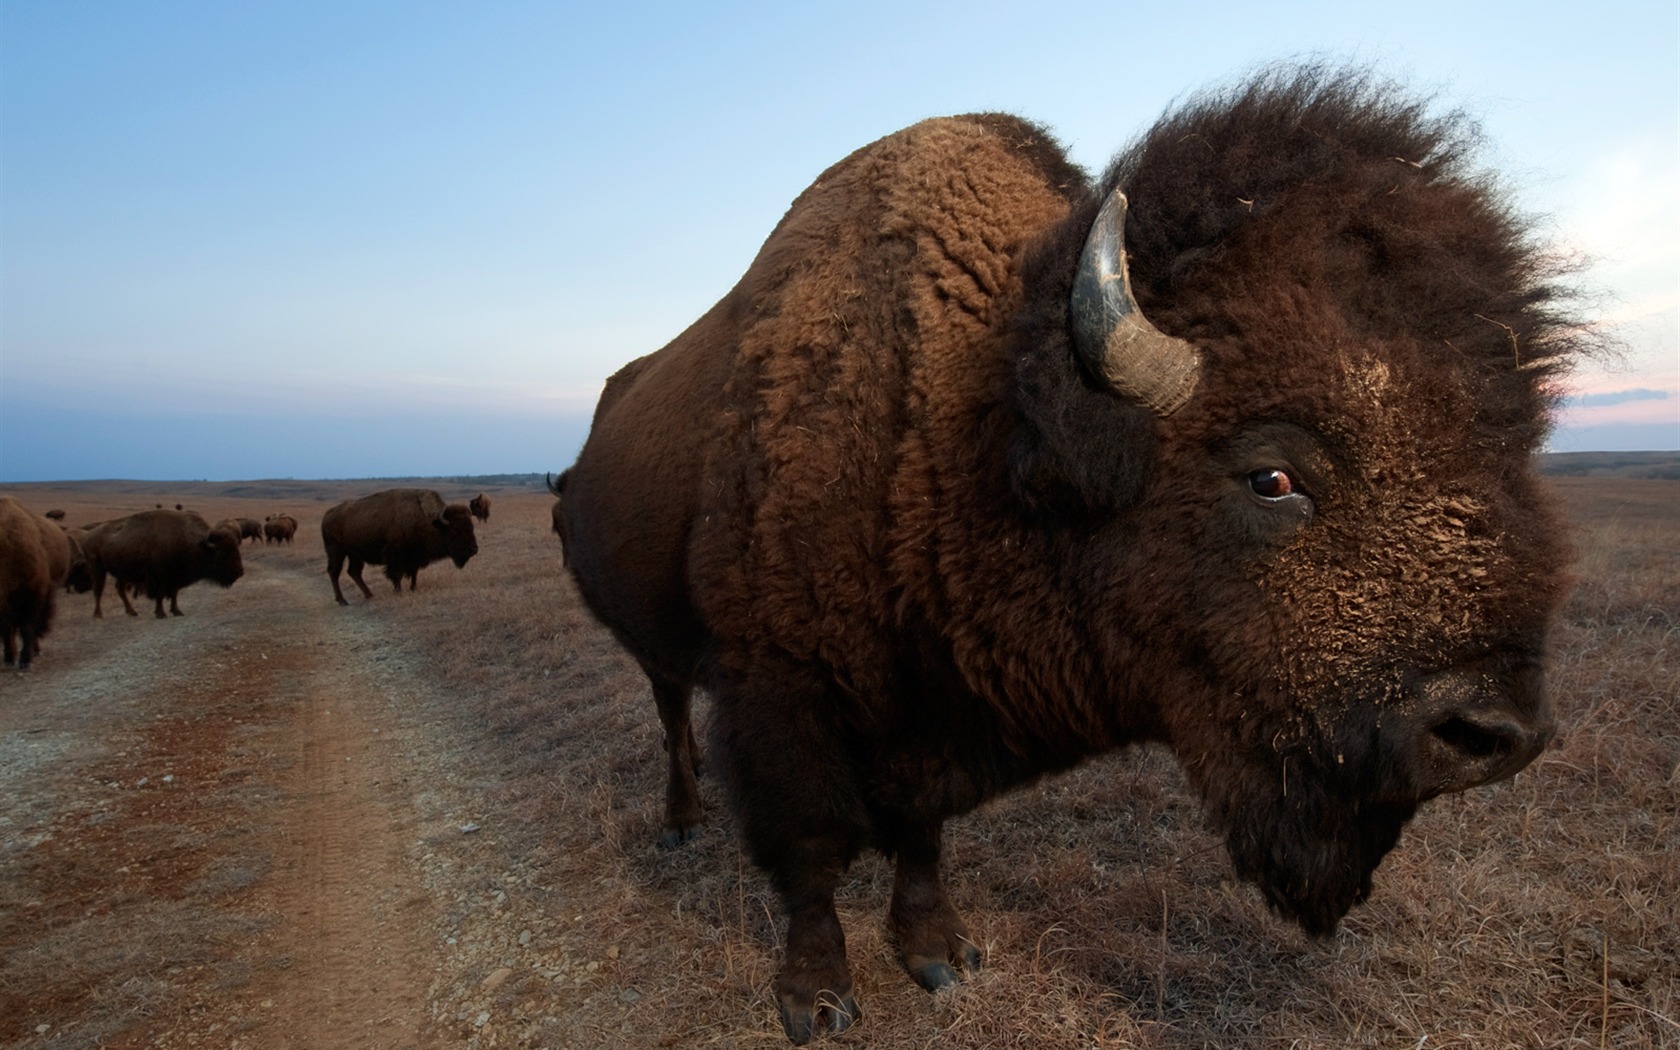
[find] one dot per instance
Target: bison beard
(984, 468)
(1306, 837)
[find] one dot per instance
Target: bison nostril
(1477, 741)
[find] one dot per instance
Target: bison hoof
(830, 1013)
(341, 601)
(935, 976)
(674, 837)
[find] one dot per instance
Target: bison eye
(1271, 483)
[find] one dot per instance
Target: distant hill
(1661, 465)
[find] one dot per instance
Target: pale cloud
(1623, 211)
(1622, 215)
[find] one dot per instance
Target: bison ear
(1077, 450)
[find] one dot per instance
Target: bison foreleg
(682, 790)
(932, 939)
(122, 592)
(814, 989)
(335, 565)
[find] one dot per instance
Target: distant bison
(157, 553)
(480, 507)
(279, 528)
(984, 467)
(557, 510)
(80, 578)
(34, 562)
(404, 530)
(249, 529)
(55, 515)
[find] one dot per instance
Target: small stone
(524, 938)
(496, 979)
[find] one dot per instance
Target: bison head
(455, 526)
(1306, 481)
(220, 551)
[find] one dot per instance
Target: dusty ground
(245, 775)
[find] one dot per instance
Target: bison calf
(404, 530)
(157, 553)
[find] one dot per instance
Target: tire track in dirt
(349, 896)
(225, 856)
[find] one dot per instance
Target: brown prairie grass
(1538, 913)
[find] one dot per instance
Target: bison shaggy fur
(156, 553)
(35, 560)
(986, 466)
(480, 507)
(404, 530)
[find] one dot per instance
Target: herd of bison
(153, 554)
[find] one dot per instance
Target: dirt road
(213, 834)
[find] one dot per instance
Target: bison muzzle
(984, 468)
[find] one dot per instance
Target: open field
(429, 820)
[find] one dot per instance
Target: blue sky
(355, 239)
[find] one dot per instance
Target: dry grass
(1540, 913)
(1535, 914)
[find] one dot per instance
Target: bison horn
(1117, 343)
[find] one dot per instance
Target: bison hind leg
(682, 788)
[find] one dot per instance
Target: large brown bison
(480, 507)
(984, 468)
(34, 563)
(158, 552)
(404, 530)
